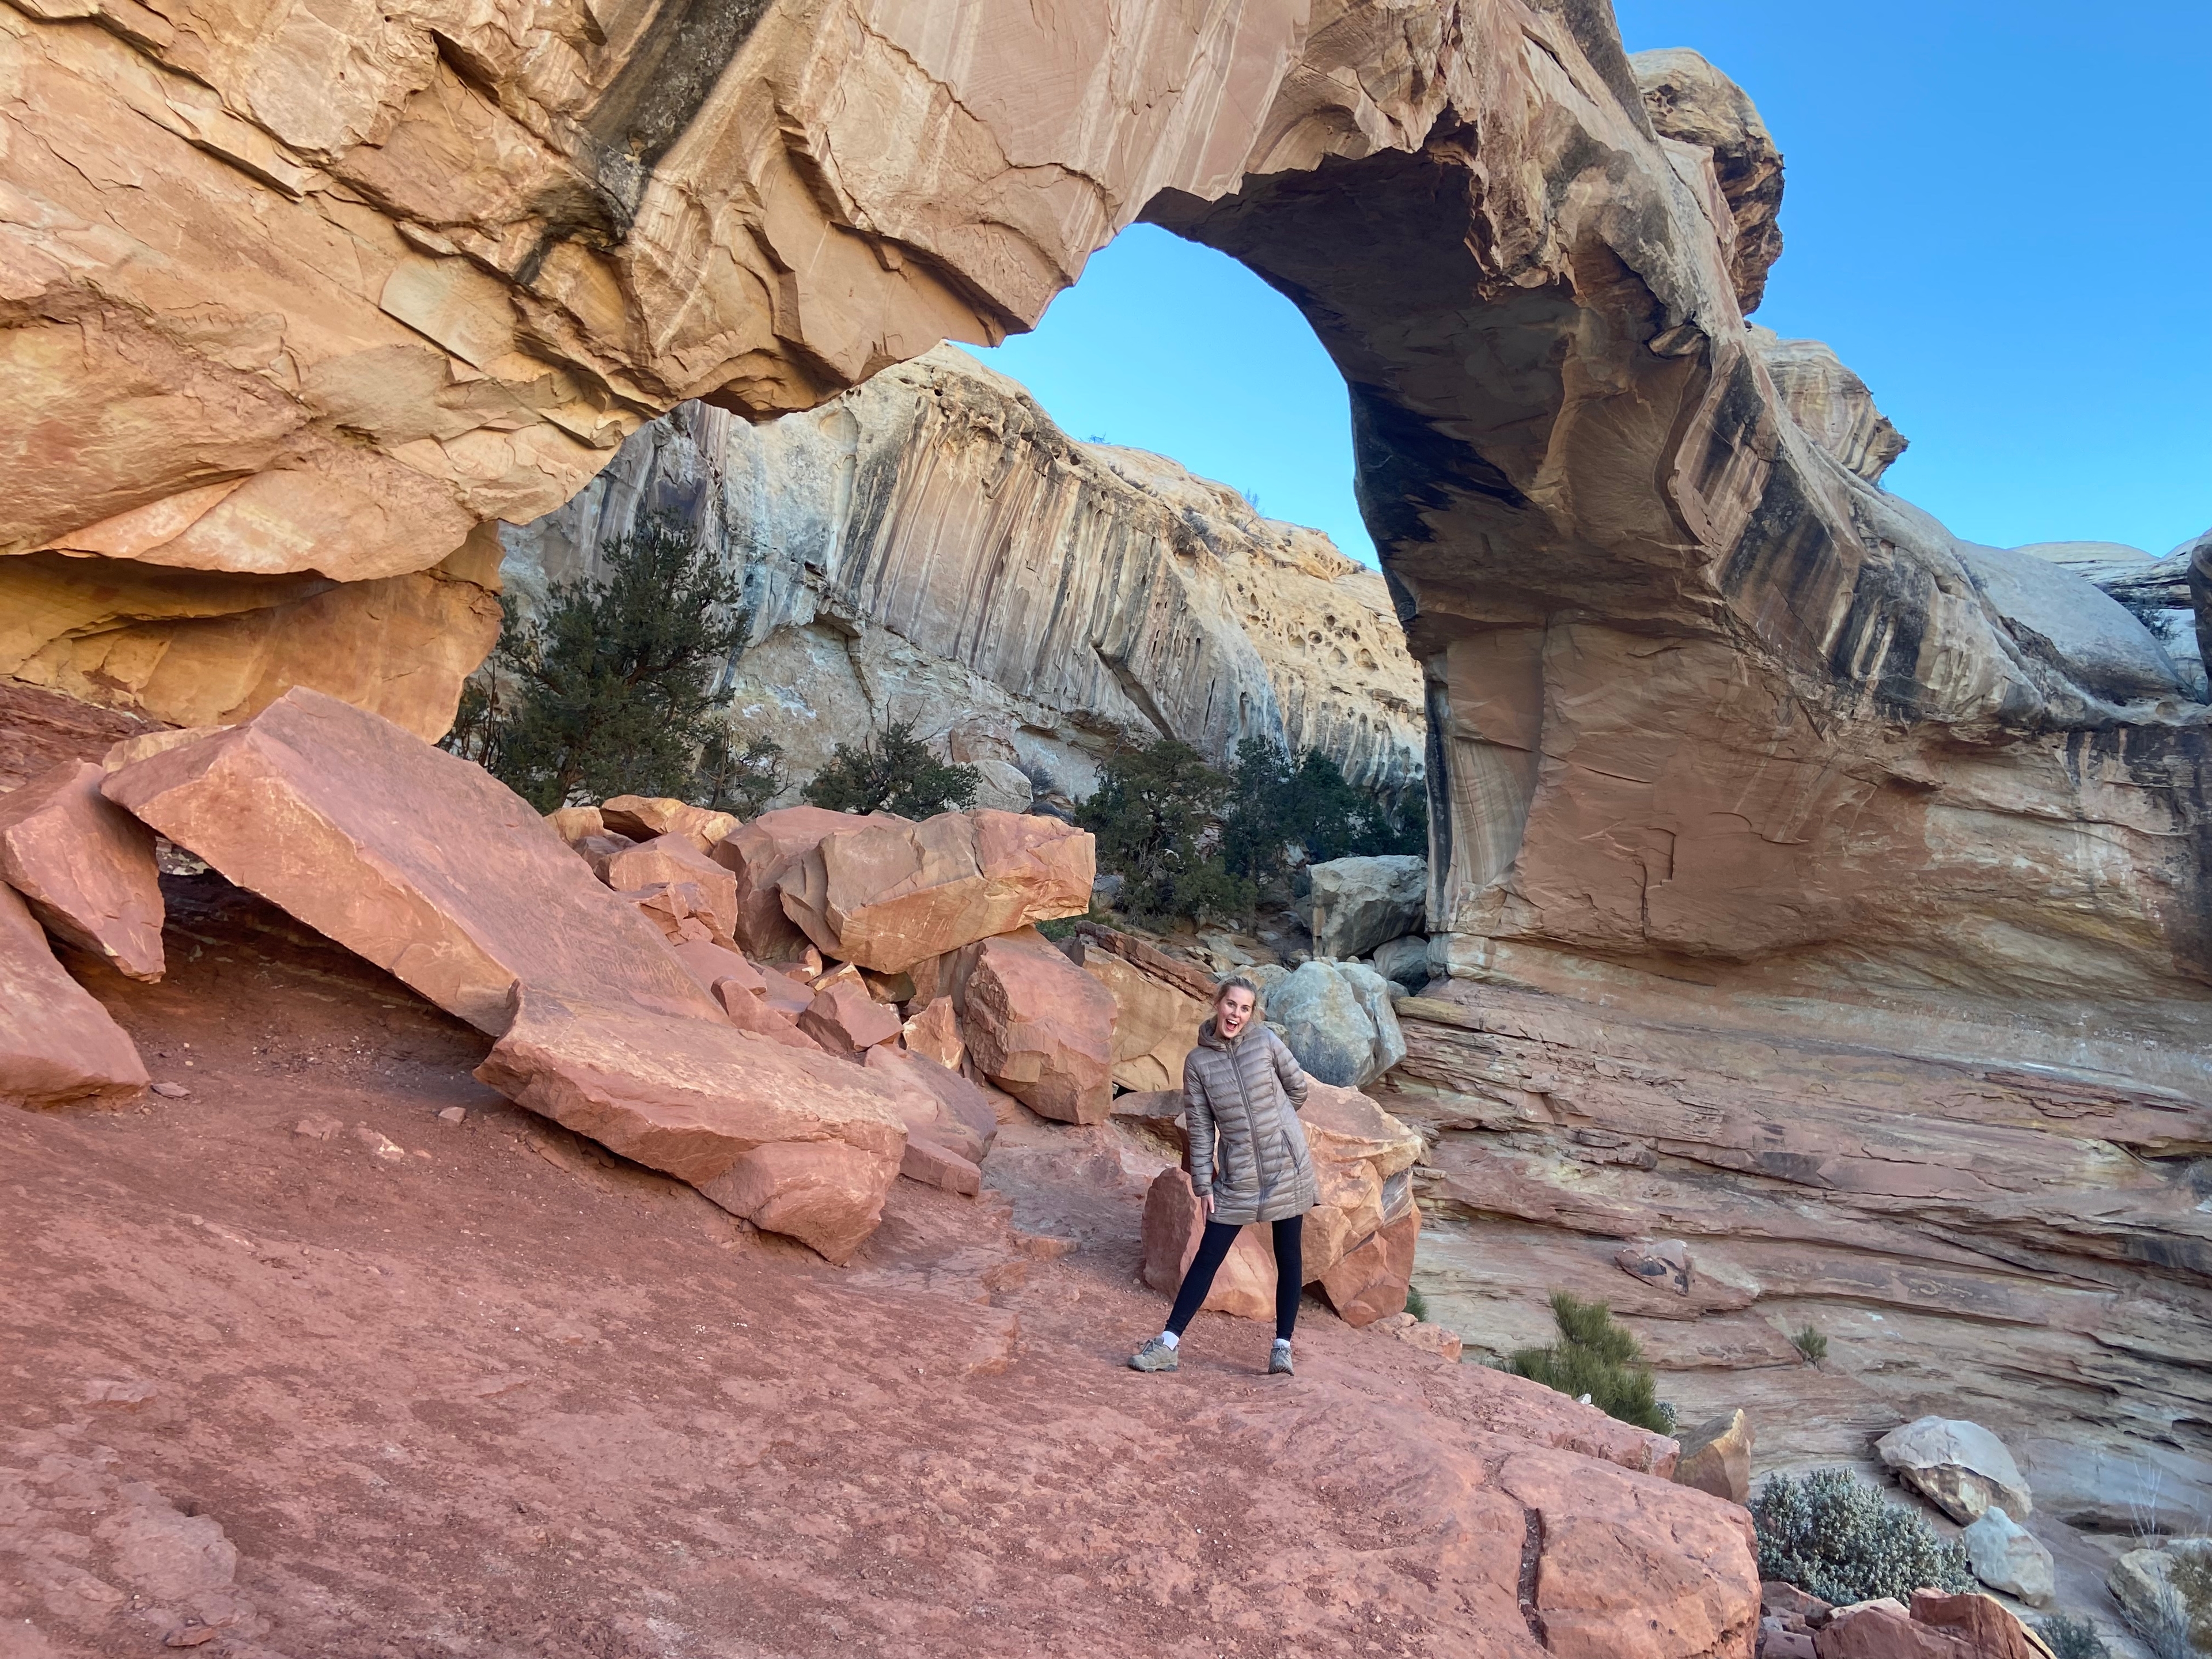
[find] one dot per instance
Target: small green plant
(892, 771)
(740, 774)
(1594, 1359)
(1811, 1346)
(1834, 1535)
(2191, 1575)
(2071, 1638)
(1416, 1303)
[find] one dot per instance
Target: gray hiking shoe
(1278, 1360)
(1154, 1356)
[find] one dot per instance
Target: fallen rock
(749, 1011)
(1715, 1457)
(935, 1032)
(1988, 1630)
(1405, 961)
(573, 824)
(1174, 1222)
(2007, 1557)
(171, 1091)
(1336, 1017)
(1430, 1339)
(715, 965)
(1959, 1467)
(1794, 1607)
(317, 1126)
(1001, 786)
(673, 859)
(759, 853)
(1361, 902)
(2142, 1581)
(847, 1021)
(86, 867)
(58, 1047)
(938, 1104)
(683, 913)
(941, 1167)
(1664, 1266)
(1372, 1278)
(792, 1141)
(888, 895)
(1777, 1641)
(643, 818)
(416, 859)
(1155, 1021)
(1038, 1026)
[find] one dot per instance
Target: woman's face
(1233, 1009)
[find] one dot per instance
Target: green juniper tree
(1596, 1358)
(892, 771)
(610, 687)
(1155, 813)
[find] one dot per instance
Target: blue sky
(2001, 215)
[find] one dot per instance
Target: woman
(1242, 1084)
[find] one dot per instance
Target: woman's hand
(1208, 1201)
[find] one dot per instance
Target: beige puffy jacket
(1245, 1095)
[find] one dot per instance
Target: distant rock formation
(931, 547)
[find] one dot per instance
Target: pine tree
(892, 770)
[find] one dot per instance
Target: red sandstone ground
(505, 1395)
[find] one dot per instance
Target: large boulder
(792, 1141)
(1405, 961)
(1959, 1467)
(1038, 1026)
(1337, 1019)
(86, 866)
(1935, 1627)
(1157, 1009)
(647, 818)
(1361, 902)
(58, 1047)
(1173, 1221)
(759, 853)
(2007, 1557)
(416, 859)
(889, 895)
(675, 857)
(2142, 1581)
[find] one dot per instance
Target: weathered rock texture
(86, 866)
(1976, 1239)
(58, 1047)
(931, 547)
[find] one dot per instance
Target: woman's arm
(1287, 1069)
(1198, 1117)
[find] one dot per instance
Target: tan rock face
(1715, 1457)
(847, 1021)
(760, 853)
(406, 855)
(1155, 1022)
(58, 1047)
(86, 866)
(644, 817)
(1036, 598)
(794, 1142)
(1038, 1026)
(676, 857)
(890, 895)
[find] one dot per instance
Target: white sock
(1282, 1341)
(1169, 1338)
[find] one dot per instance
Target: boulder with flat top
(1037, 1026)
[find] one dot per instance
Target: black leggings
(1213, 1249)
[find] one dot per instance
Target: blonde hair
(1238, 983)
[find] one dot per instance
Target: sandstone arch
(291, 311)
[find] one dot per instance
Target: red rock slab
(86, 866)
(939, 1106)
(1244, 1286)
(759, 853)
(789, 993)
(749, 1012)
(1371, 1280)
(890, 895)
(793, 1141)
(674, 859)
(1980, 1620)
(1038, 1026)
(935, 1032)
(416, 859)
(847, 1021)
(643, 817)
(940, 1167)
(1631, 1566)
(712, 964)
(1883, 1630)
(58, 1045)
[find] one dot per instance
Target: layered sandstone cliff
(931, 547)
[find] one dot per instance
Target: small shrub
(892, 771)
(1810, 1345)
(1274, 803)
(739, 775)
(1416, 1303)
(2071, 1638)
(1834, 1535)
(1596, 1358)
(2191, 1575)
